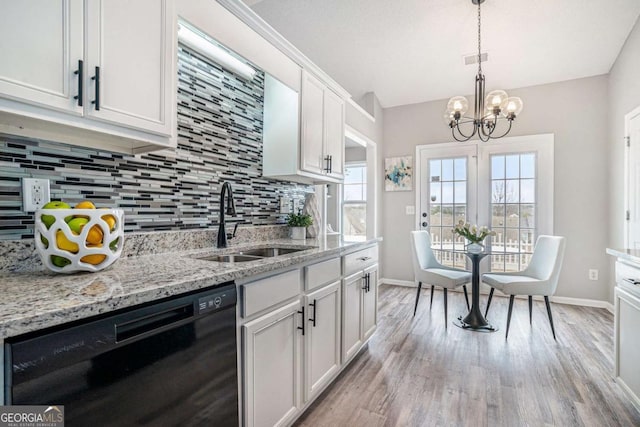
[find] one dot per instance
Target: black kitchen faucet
(231, 210)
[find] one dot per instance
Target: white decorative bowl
(98, 244)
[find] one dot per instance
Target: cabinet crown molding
(260, 26)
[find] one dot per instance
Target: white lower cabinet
(359, 312)
(272, 349)
(299, 331)
(322, 339)
(352, 309)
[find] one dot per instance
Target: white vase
(475, 248)
(298, 233)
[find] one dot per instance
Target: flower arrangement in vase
(474, 234)
(298, 224)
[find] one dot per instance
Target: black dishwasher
(168, 363)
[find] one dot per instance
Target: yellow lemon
(85, 205)
(94, 259)
(65, 244)
(110, 220)
(94, 236)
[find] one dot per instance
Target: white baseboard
(406, 283)
(557, 299)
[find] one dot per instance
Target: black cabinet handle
(327, 167)
(80, 73)
(425, 223)
(364, 280)
(330, 164)
(303, 319)
(315, 316)
(96, 77)
(368, 282)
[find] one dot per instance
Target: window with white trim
(355, 202)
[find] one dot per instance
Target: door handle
(80, 73)
(425, 223)
(96, 77)
(315, 308)
(368, 282)
(303, 319)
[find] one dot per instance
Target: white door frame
(627, 159)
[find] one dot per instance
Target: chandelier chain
(479, 48)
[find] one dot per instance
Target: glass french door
(447, 195)
(507, 186)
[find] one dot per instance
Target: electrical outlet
(410, 210)
(593, 274)
(35, 193)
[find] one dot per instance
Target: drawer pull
(364, 258)
(632, 281)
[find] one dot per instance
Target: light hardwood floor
(415, 373)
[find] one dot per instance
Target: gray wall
(355, 154)
(624, 96)
(575, 112)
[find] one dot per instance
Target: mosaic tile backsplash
(219, 139)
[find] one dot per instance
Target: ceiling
(410, 51)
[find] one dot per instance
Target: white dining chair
(428, 270)
(539, 278)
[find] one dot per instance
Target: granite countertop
(632, 255)
(37, 300)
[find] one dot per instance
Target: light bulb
(448, 117)
(495, 99)
(458, 104)
(512, 107)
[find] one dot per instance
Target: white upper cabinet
(41, 43)
(97, 73)
(322, 142)
(316, 153)
(334, 114)
(311, 150)
(129, 43)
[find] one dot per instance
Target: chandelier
(496, 107)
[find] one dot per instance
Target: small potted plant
(474, 234)
(298, 224)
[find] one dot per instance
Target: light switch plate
(285, 205)
(410, 210)
(35, 193)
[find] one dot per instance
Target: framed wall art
(398, 173)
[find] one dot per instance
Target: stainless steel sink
(231, 258)
(253, 254)
(270, 252)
